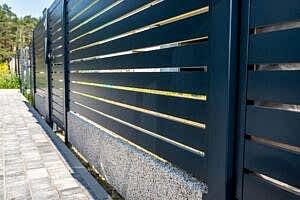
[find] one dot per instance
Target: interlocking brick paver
(30, 166)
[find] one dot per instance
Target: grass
(29, 97)
(7, 80)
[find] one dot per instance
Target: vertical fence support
(32, 62)
(18, 72)
(243, 77)
(16, 67)
(18, 63)
(222, 97)
(65, 27)
(48, 71)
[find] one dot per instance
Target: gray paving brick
(30, 167)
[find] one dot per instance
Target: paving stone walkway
(31, 167)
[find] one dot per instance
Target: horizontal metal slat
(80, 6)
(73, 3)
(192, 163)
(187, 82)
(54, 6)
(179, 107)
(58, 107)
(58, 59)
(98, 7)
(57, 84)
(257, 188)
(58, 76)
(118, 11)
(58, 99)
(275, 47)
(41, 86)
(170, 8)
(56, 52)
(40, 68)
(191, 28)
(56, 43)
(56, 26)
(188, 135)
(185, 56)
(55, 15)
(273, 124)
(264, 12)
(58, 121)
(279, 164)
(41, 78)
(56, 34)
(274, 86)
(57, 92)
(57, 69)
(55, 19)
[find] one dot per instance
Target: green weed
(7, 80)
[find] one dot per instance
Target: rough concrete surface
(40, 104)
(135, 173)
(31, 167)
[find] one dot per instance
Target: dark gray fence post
(245, 16)
(66, 66)
(48, 71)
(33, 79)
(222, 96)
(18, 72)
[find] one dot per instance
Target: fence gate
(269, 148)
(41, 93)
(56, 62)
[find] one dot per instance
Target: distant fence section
(25, 68)
(168, 76)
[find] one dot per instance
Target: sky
(28, 7)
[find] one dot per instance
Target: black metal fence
(168, 76)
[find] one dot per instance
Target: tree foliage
(15, 32)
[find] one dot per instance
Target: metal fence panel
(269, 157)
(56, 62)
(130, 93)
(41, 78)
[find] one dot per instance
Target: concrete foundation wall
(134, 172)
(40, 104)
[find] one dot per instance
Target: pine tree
(15, 32)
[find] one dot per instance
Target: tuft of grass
(7, 80)
(29, 97)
